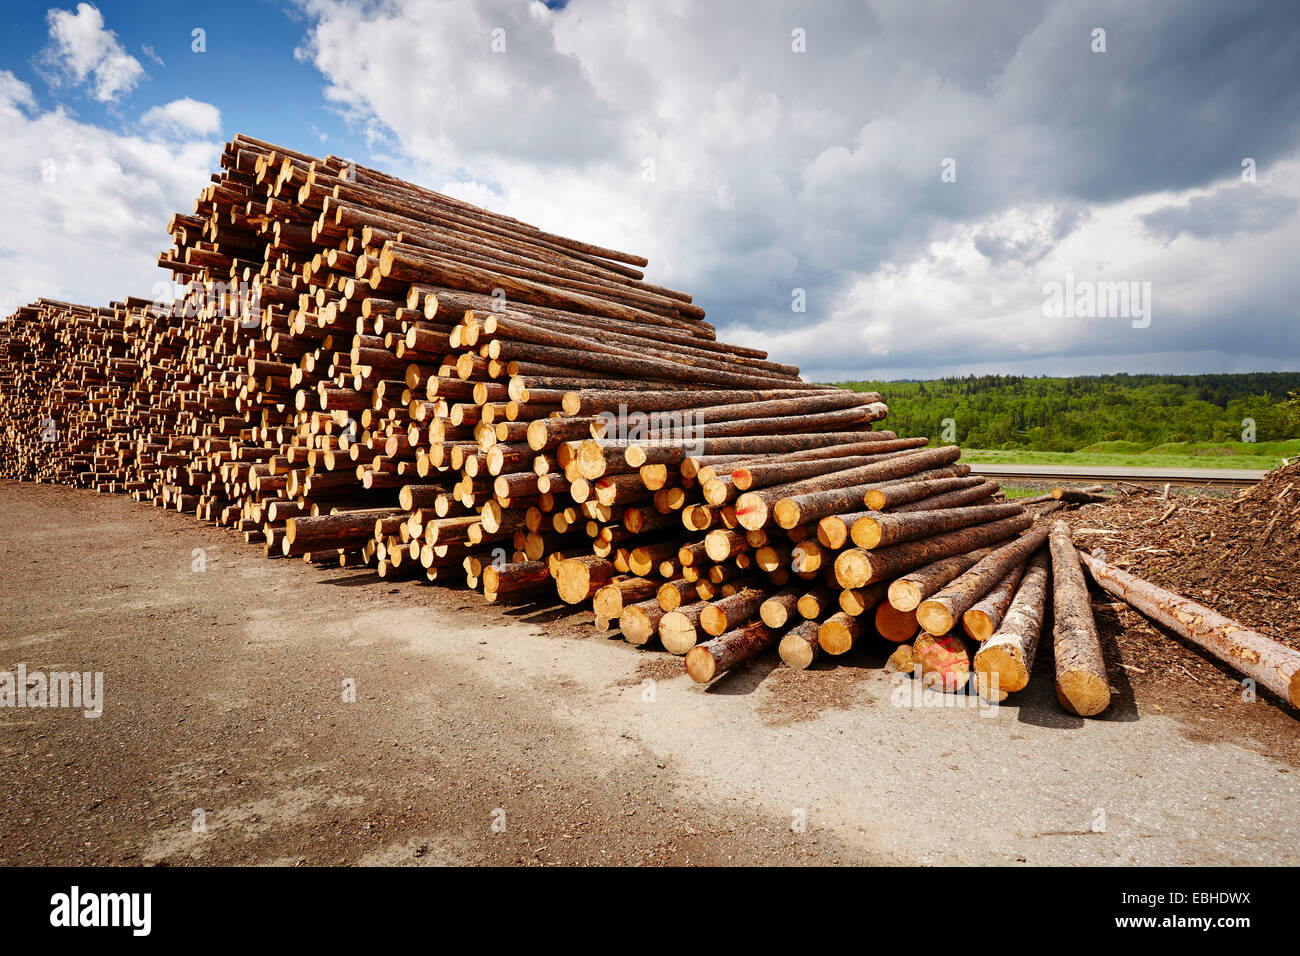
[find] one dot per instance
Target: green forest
(1105, 413)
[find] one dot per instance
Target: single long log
(1004, 662)
(908, 591)
(706, 661)
(1259, 657)
(640, 622)
(800, 645)
(895, 625)
(732, 611)
(985, 616)
(839, 632)
(906, 492)
(1081, 683)
(878, 530)
(679, 629)
(945, 661)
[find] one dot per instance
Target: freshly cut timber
(944, 661)
(906, 492)
(1005, 660)
(1259, 657)
(732, 611)
(640, 622)
(706, 661)
(1081, 683)
(901, 659)
(939, 614)
(679, 630)
(839, 632)
(895, 625)
(878, 530)
(856, 568)
(907, 592)
(983, 618)
(800, 645)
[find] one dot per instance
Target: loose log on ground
(1081, 683)
(907, 592)
(639, 622)
(1255, 655)
(839, 632)
(944, 660)
(679, 629)
(731, 612)
(985, 616)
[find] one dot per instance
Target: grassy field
(1257, 455)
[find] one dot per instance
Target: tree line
(1070, 414)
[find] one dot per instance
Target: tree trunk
(1255, 655)
(1081, 683)
(706, 661)
(1004, 662)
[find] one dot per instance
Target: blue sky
(869, 189)
(250, 51)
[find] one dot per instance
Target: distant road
(1222, 477)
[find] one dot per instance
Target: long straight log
(1006, 659)
(880, 530)
(985, 615)
(1255, 655)
(908, 591)
(906, 492)
(1081, 683)
(800, 645)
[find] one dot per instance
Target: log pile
(359, 371)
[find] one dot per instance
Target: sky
(869, 189)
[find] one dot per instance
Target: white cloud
(84, 50)
(83, 210)
(774, 169)
(184, 117)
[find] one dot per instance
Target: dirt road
(483, 736)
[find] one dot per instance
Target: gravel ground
(519, 736)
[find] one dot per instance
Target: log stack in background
(360, 371)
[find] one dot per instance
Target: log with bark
(1081, 683)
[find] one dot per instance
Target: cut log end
(978, 624)
(1006, 661)
(796, 652)
(935, 617)
(904, 595)
(701, 665)
(1082, 692)
(677, 633)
